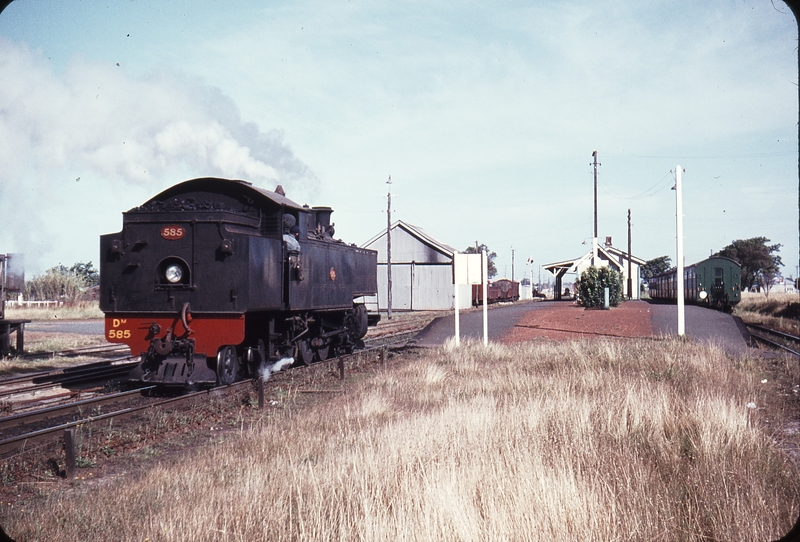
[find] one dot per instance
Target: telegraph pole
(512, 264)
(594, 239)
(389, 252)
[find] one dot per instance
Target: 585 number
(119, 333)
(172, 232)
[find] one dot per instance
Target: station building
(607, 256)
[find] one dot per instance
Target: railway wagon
(715, 282)
(212, 280)
(501, 290)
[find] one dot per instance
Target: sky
(484, 114)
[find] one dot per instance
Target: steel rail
(82, 351)
(14, 445)
(61, 410)
(76, 378)
(61, 371)
(775, 332)
(775, 344)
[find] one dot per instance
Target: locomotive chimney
(323, 216)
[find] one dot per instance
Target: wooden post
(20, 338)
(260, 393)
(69, 452)
(341, 368)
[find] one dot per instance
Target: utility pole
(530, 268)
(630, 277)
(389, 252)
(594, 239)
(512, 264)
(679, 242)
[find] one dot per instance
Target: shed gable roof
(419, 234)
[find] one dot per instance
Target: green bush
(593, 283)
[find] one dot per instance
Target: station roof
(614, 256)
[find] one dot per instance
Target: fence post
(261, 393)
(69, 452)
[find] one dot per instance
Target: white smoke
(94, 138)
(266, 370)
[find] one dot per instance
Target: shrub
(593, 283)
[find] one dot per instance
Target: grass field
(581, 440)
(75, 311)
(779, 311)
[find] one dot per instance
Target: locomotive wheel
(304, 353)
(227, 365)
(323, 352)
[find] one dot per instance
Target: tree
(61, 283)
(766, 280)
(592, 285)
(656, 266)
(490, 256)
(87, 272)
(758, 259)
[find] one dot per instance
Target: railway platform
(564, 320)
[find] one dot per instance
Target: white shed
(422, 270)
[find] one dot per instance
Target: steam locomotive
(214, 280)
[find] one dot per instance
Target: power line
(652, 191)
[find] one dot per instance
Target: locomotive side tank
(715, 282)
(213, 279)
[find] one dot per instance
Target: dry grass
(547, 441)
(83, 310)
(779, 310)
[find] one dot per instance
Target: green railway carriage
(715, 282)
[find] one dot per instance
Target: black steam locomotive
(214, 280)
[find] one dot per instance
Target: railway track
(95, 350)
(774, 338)
(29, 390)
(43, 427)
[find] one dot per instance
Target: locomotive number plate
(172, 233)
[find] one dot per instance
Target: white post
(485, 277)
(679, 242)
(458, 330)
